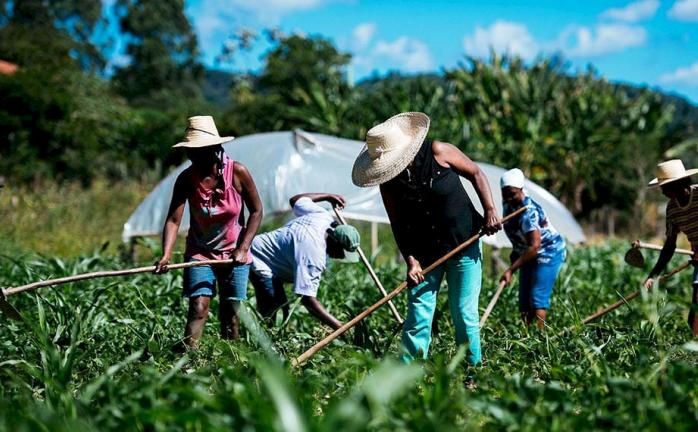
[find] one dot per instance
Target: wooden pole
(371, 272)
(374, 237)
(110, 273)
(490, 306)
(637, 244)
(340, 331)
(624, 300)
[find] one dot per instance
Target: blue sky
(648, 42)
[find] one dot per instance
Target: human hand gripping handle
(337, 201)
(493, 222)
(415, 275)
(161, 266)
(506, 277)
(240, 255)
(648, 283)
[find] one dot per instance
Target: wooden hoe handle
(371, 272)
(111, 273)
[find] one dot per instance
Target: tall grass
(67, 220)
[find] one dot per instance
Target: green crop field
(97, 356)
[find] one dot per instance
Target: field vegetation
(83, 143)
(97, 356)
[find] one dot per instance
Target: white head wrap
(514, 178)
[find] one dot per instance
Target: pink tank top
(214, 225)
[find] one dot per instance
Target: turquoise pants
(464, 278)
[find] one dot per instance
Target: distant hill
(685, 116)
(216, 87)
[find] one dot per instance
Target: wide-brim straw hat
(202, 132)
(670, 171)
(390, 147)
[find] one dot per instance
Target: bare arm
(449, 155)
(533, 240)
(664, 256)
(172, 222)
(318, 311)
(334, 199)
(248, 190)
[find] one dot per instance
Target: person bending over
(297, 253)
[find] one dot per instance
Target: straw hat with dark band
(390, 147)
(202, 132)
(670, 171)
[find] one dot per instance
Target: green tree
(580, 136)
(303, 85)
(163, 53)
(53, 34)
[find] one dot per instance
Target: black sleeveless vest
(434, 213)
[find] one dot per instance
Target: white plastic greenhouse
(286, 163)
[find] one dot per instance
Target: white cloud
(362, 35)
(273, 8)
(686, 75)
(685, 10)
(405, 53)
(633, 12)
(213, 16)
(580, 41)
(502, 37)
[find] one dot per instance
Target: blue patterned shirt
(551, 242)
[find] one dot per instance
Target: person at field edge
(216, 188)
(681, 216)
(539, 250)
(297, 253)
(430, 214)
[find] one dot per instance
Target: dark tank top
(433, 212)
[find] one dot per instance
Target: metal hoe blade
(7, 308)
(635, 258)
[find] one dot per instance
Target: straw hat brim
(656, 183)
(369, 172)
(204, 142)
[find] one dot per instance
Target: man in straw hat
(681, 216)
(430, 214)
(297, 253)
(216, 188)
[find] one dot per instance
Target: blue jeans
(232, 281)
(464, 278)
(536, 281)
(270, 295)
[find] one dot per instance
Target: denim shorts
(536, 281)
(231, 280)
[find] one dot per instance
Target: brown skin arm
(450, 156)
(334, 199)
(533, 240)
(664, 257)
(171, 227)
(244, 184)
(318, 311)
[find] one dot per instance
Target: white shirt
(296, 252)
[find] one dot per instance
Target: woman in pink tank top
(217, 190)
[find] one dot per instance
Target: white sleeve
(306, 206)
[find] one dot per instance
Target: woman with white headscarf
(539, 250)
